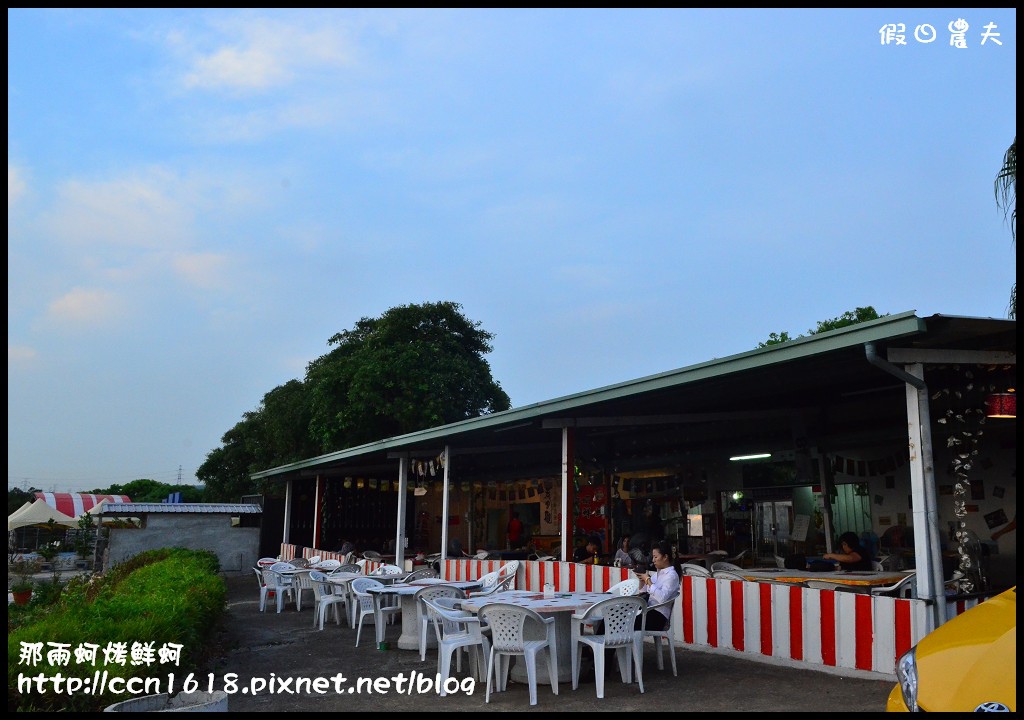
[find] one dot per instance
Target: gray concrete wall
(237, 548)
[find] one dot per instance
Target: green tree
(1006, 200)
(16, 497)
(850, 317)
(225, 472)
(416, 366)
(277, 432)
(146, 490)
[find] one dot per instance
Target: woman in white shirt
(625, 556)
(661, 585)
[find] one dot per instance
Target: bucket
(216, 701)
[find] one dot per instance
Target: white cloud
(204, 270)
(20, 354)
(15, 185)
(130, 212)
(85, 307)
(261, 53)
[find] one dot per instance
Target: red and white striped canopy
(77, 504)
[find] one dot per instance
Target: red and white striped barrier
(787, 624)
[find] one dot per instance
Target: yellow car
(969, 664)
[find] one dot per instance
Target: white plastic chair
(313, 560)
(488, 584)
(835, 587)
(627, 587)
(265, 562)
(265, 589)
(695, 570)
(735, 559)
(877, 566)
(780, 561)
(619, 615)
(326, 598)
(387, 570)
(365, 605)
(905, 587)
(432, 592)
(372, 555)
(727, 575)
(457, 629)
(507, 624)
(724, 565)
(427, 572)
(665, 634)
(326, 566)
(279, 584)
(507, 574)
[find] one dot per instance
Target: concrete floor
(286, 645)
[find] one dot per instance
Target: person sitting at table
(655, 587)
(658, 586)
(853, 556)
(588, 551)
(627, 556)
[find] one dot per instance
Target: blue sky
(198, 199)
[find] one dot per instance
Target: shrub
(158, 597)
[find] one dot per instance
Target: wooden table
(561, 607)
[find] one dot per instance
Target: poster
(801, 523)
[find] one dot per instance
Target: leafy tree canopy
(850, 317)
(414, 367)
(16, 497)
(146, 490)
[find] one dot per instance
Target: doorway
(773, 523)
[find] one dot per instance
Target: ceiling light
(757, 456)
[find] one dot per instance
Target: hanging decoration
(960, 403)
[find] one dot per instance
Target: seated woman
(661, 585)
(853, 555)
(627, 556)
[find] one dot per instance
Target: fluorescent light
(758, 456)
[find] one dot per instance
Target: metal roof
(181, 508)
(781, 379)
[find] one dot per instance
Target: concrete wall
(237, 548)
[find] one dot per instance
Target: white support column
(286, 537)
(317, 499)
(403, 487)
(444, 505)
(566, 470)
(927, 547)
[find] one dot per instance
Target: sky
(197, 200)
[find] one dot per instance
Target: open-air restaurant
(826, 503)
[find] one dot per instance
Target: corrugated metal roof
(193, 508)
(886, 328)
(800, 370)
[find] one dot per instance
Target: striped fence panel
(789, 624)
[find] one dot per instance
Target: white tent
(37, 513)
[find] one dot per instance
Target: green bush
(158, 597)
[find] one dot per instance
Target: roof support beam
(908, 356)
(555, 423)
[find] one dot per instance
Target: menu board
(801, 523)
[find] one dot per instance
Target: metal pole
(444, 507)
(403, 487)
